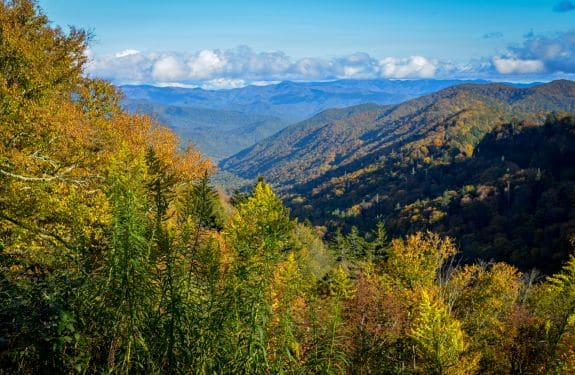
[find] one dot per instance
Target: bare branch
(39, 179)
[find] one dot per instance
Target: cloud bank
(537, 57)
(234, 67)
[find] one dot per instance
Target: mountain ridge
(461, 109)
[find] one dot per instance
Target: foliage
(117, 257)
(440, 340)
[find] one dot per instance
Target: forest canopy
(118, 256)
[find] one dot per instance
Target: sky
(225, 43)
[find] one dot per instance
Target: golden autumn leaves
(60, 131)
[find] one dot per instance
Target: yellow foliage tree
(414, 263)
(484, 299)
(441, 343)
(59, 130)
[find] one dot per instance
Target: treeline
(117, 256)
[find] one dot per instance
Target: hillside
(401, 164)
(221, 123)
(513, 200)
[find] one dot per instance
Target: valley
(221, 123)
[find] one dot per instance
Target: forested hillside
(118, 257)
(221, 123)
(512, 200)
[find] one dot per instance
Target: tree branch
(39, 179)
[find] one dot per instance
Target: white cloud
(223, 83)
(555, 51)
(205, 64)
(127, 52)
(310, 67)
(412, 67)
(213, 68)
(132, 68)
(175, 84)
(512, 65)
(358, 65)
(168, 68)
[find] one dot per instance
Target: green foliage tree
(128, 293)
(380, 243)
(260, 235)
(327, 352)
(554, 303)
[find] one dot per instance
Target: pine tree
(203, 204)
(380, 242)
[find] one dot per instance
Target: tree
(203, 204)
(554, 302)
(441, 342)
(415, 263)
(380, 242)
(127, 293)
(484, 298)
(260, 234)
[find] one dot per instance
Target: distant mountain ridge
(290, 101)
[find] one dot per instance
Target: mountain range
(220, 123)
(339, 141)
(400, 163)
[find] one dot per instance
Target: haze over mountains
(223, 122)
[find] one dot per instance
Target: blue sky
(234, 42)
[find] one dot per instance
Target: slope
(454, 120)
(472, 161)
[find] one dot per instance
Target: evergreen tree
(203, 204)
